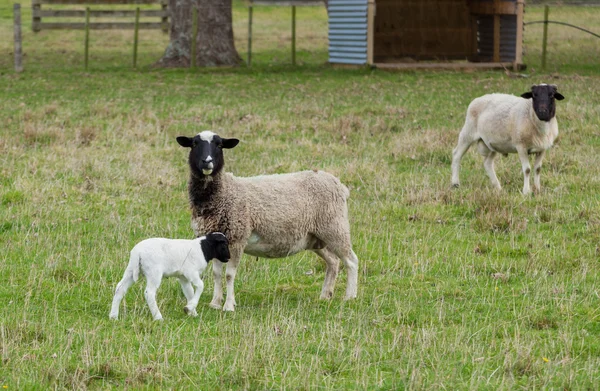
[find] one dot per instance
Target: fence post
(250, 35)
(18, 42)
(135, 36)
(87, 36)
(545, 37)
(293, 35)
(194, 37)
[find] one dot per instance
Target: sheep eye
(220, 146)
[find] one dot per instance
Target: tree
(214, 42)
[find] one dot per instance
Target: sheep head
(215, 246)
(206, 154)
(544, 96)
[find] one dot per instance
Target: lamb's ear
(527, 95)
(558, 96)
(229, 142)
(186, 142)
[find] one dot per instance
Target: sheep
(270, 216)
(181, 258)
(502, 123)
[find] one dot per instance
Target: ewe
(270, 216)
(181, 258)
(501, 123)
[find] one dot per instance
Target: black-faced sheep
(501, 123)
(181, 258)
(270, 216)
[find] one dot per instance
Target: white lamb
(504, 124)
(270, 216)
(181, 258)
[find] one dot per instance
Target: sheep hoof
(216, 306)
(455, 185)
(352, 297)
(228, 307)
(114, 317)
(190, 312)
(326, 296)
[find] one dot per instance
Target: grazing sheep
(181, 258)
(501, 123)
(270, 216)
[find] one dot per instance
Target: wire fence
(271, 40)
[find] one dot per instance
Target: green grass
(458, 289)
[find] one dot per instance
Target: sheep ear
(558, 96)
(527, 95)
(229, 142)
(185, 141)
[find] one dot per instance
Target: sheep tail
(133, 269)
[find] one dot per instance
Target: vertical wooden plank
(135, 36)
(545, 37)
(35, 20)
(293, 35)
(474, 54)
(519, 44)
(194, 37)
(370, 31)
(87, 36)
(165, 19)
(18, 41)
(250, 35)
(496, 55)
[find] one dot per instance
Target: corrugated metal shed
(423, 33)
(348, 31)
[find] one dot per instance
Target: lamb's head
(544, 96)
(206, 155)
(215, 246)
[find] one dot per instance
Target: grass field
(458, 289)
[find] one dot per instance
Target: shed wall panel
(347, 31)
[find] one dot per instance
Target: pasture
(458, 289)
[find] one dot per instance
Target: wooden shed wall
(423, 30)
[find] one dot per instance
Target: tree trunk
(214, 42)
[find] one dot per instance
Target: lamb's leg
(464, 143)
(537, 169)
(332, 263)
(230, 273)
(120, 292)
(217, 300)
(188, 291)
(190, 307)
(524, 157)
(152, 284)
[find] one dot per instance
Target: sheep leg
(230, 273)
(152, 285)
(120, 292)
(188, 291)
(524, 157)
(190, 307)
(537, 168)
(488, 164)
(351, 263)
(217, 300)
(332, 263)
(464, 143)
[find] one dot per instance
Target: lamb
(270, 216)
(501, 123)
(181, 258)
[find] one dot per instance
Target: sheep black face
(206, 156)
(543, 96)
(215, 246)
